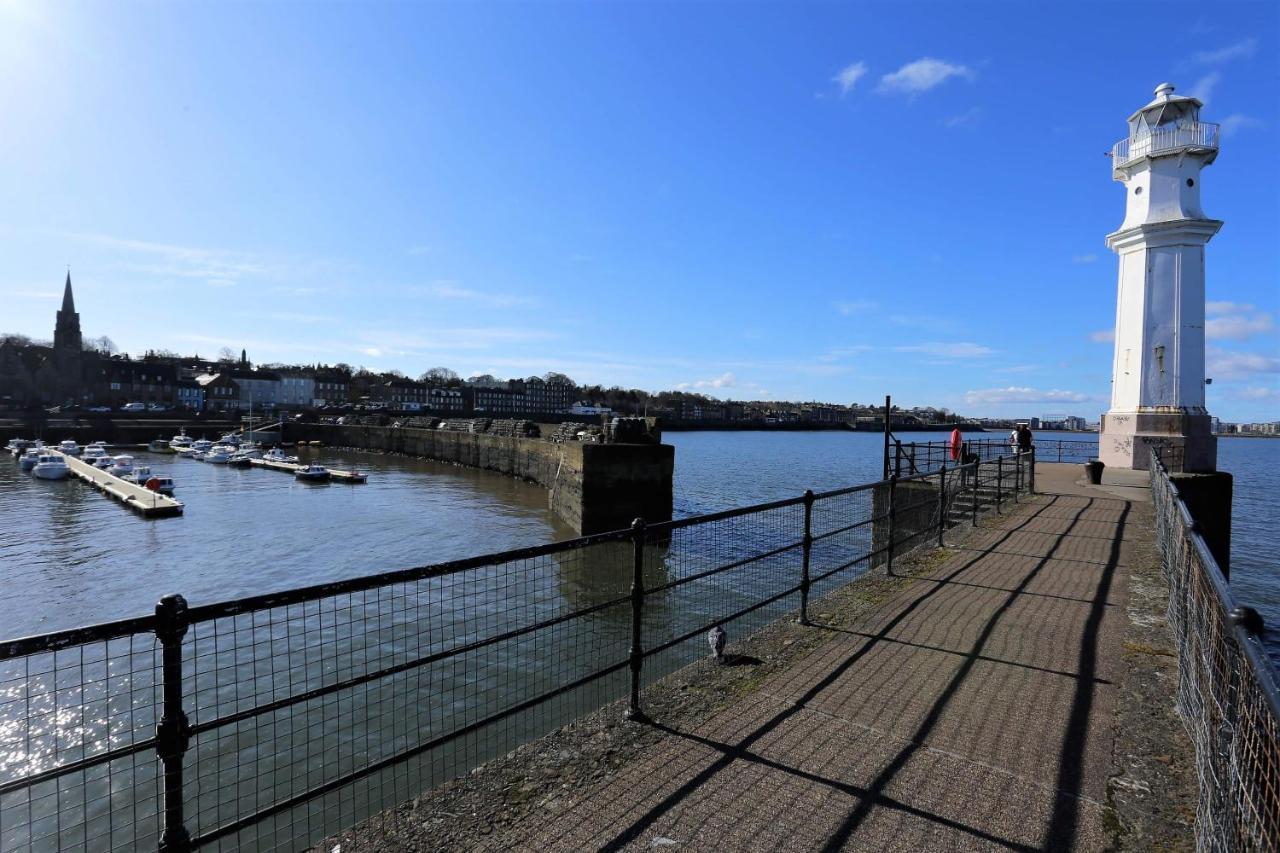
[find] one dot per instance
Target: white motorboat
(121, 466)
(50, 467)
(19, 446)
(104, 462)
(275, 454)
(29, 459)
(139, 475)
(218, 455)
(180, 442)
(159, 445)
(92, 452)
(69, 447)
(312, 474)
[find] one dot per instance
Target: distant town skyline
(750, 201)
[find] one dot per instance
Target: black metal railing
(921, 457)
(1227, 689)
(276, 720)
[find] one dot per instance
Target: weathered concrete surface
(592, 487)
(1010, 694)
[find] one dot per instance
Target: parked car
(134, 407)
(99, 408)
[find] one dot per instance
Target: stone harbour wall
(592, 487)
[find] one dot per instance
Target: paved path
(971, 712)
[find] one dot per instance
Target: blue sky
(780, 201)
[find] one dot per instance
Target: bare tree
(226, 355)
(440, 376)
(104, 345)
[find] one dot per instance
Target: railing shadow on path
(1063, 822)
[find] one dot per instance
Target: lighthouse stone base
(1127, 439)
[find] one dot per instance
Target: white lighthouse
(1157, 391)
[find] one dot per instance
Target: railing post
(637, 613)
(1017, 475)
(942, 501)
(807, 551)
(1031, 472)
(1059, 451)
(973, 504)
(999, 481)
(172, 733)
(886, 436)
(893, 489)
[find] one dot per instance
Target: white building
(1157, 392)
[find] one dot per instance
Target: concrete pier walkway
(972, 711)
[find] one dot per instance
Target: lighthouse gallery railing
(1198, 134)
(1227, 690)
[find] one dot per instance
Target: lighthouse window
(1191, 182)
(1137, 191)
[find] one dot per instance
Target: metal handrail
(1165, 140)
(173, 619)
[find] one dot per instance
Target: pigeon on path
(716, 639)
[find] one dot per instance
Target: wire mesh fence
(275, 721)
(1227, 690)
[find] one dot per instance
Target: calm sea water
(71, 557)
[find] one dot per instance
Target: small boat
(139, 475)
(217, 454)
(69, 447)
(201, 445)
(50, 467)
(163, 485)
(240, 460)
(275, 454)
(159, 445)
(29, 459)
(20, 446)
(180, 442)
(120, 466)
(312, 474)
(104, 462)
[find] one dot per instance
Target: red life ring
(153, 484)
(956, 441)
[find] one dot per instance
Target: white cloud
(1236, 122)
(968, 117)
(857, 306)
(1225, 364)
(922, 75)
(1239, 50)
(218, 267)
(849, 77)
(962, 349)
(1258, 393)
(1083, 259)
(452, 290)
(372, 352)
(1213, 307)
(724, 380)
(1103, 336)
(1237, 327)
(1203, 89)
(1014, 394)
(837, 353)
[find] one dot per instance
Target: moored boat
(275, 454)
(50, 466)
(69, 447)
(29, 459)
(159, 445)
(120, 466)
(312, 473)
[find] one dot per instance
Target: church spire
(68, 302)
